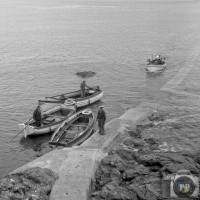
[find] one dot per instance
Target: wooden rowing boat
(74, 130)
(74, 98)
(51, 119)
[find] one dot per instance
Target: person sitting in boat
(37, 116)
(158, 57)
(83, 87)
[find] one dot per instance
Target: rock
(85, 74)
(126, 154)
(113, 191)
(152, 178)
(115, 161)
(97, 198)
(152, 189)
(121, 193)
(104, 181)
(105, 169)
(139, 170)
(34, 197)
(149, 160)
(33, 183)
(128, 142)
(139, 190)
(146, 124)
(150, 196)
(133, 143)
(151, 141)
(145, 192)
(156, 116)
(115, 174)
(174, 167)
(97, 194)
(39, 154)
(135, 132)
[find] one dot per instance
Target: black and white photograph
(100, 99)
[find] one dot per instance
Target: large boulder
(32, 184)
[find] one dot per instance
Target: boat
(156, 65)
(51, 119)
(74, 130)
(92, 95)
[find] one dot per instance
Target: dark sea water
(44, 43)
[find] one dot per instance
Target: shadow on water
(36, 143)
(154, 74)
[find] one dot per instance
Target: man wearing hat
(101, 117)
(37, 116)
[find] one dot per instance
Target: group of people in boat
(158, 60)
(101, 115)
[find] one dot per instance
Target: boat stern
(28, 130)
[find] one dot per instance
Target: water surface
(44, 43)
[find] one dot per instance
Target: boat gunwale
(77, 100)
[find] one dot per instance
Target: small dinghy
(74, 130)
(51, 119)
(156, 65)
(92, 95)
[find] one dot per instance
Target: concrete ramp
(75, 174)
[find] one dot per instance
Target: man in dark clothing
(83, 87)
(37, 116)
(101, 117)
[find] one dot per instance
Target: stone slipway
(76, 166)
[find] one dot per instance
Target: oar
(21, 130)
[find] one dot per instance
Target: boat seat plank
(47, 121)
(57, 116)
(79, 125)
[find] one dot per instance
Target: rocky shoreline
(31, 184)
(136, 168)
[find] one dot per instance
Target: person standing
(83, 87)
(37, 116)
(101, 117)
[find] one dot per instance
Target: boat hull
(72, 97)
(155, 68)
(87, 101)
